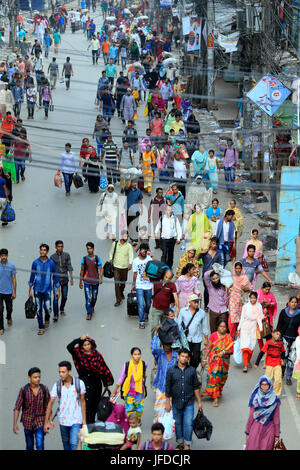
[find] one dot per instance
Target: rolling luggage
(104, 436)
(132, 307)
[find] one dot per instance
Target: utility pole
(210, 54)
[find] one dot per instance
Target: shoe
(245, 369)
(289, 382)
(63, 314)
(47, 324)
(9, 322)
(55, 319)
(123, 297)
(41, 332)
(141, 326)
(89, 317)
(117, 304)
(23, 178)
(1, 332)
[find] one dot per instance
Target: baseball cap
(193, 297)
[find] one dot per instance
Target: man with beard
(218, 299)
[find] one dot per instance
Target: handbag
(8, 214)
(263, 263)
(30, 308)
(267, 329)
(279, 445)
(108, 268)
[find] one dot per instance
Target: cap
(110, 186)
(193, 297)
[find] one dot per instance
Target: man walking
(231, 158)
(8, 288)
(155, 212)
(134, 208)
(193, 319)
(110, 153)
(70, 392)
(169, 231)
(225, 233)
(63, 265)
(33, 400)
(141, 286)
(68, 71)
(209, 257)
(164, 294)
(54, 73)
(121, 256)
(111, 71)
(253, 267)
(91, 275)
(43, 269)
(95, 48)
(183, 387)
(176, 200)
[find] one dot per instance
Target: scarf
(93, 362)
(137, 377)
(264, 404)
(241, 282)
(118, 416)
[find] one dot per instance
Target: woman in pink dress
(240, 287)
(187, 284)
(263, 425)
(268, 302)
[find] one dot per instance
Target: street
(44, 214)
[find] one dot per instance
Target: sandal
(180, 446)
(41, 332)
(141, 326)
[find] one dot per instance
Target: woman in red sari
(218, 353)
(84, 153)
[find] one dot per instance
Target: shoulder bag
(186, 328)
(108, 268)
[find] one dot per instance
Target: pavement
(44, 214)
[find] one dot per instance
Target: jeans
(69, 436)
(9, 308)
(38, 434)
(30, 108)
(67, 80)
(46, 51)
(43, 300)
(143, 297)
(184, 423)
(46, 106)
(38, 77)
(91, 293)
(107, 114)
(229, 176)
(105, 58)
(94, 57)
(224, 250)
(68, 178)
(17, 108)
(123, 62)
(99, 146)
(64, 296)
(20, 168)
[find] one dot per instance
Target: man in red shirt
(274, 360)
(21, 151)
(164, 294)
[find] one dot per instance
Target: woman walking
(187, 284)
(263, 425)
(268, 302)
(92, 370)
(218, 353)
(237, 218)
(257, 243)
(238, 291)
(46, 96)
(288, 324)
(132, 383)
(199, 229)
(251, 320)
(93, 169)
(148, 165)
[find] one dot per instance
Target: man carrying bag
(121, 257)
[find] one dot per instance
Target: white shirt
(70, 408)
(179, 169)
(170, 227)
(77, 15)
(138, 266)
(225, 230)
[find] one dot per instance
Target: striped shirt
(111, 151)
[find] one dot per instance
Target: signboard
(166, 3)
(269, 94)
(194, 41)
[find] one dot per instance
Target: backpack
(147, 443)
(156, 270)
(25, 389)
(59, 387)
(126, 373)
(169, 333)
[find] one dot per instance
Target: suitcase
(132, 307)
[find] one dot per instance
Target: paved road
(44, 214)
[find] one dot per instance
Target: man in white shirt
(169, 231)
(72, 408)
(141, 286)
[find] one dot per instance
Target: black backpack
(30, 308)
(25, 389)
(144, 378)
(169, 332)
(105, 407)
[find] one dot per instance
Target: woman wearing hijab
(218, 353)
(93, 169)
(251, 320)
(288, 324)
(84, 153)
(263, 425)
(118, 416)
(108, 210)
(92, 370)
(238, 290)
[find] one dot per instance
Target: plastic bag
(294, 279)
(136, 116)
(169, 423)
(57, 180)
(103, 180)
(237, 352)
(225, 275)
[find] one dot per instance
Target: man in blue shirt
(43, 272)
(176, 200)
(18, 94)
(8, 288)
(113, 52)
(134, 208)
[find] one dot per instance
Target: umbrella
(170, 60)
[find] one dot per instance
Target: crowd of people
(235, 314)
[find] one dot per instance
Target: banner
(269, 94)
(194, 41)
(166, 3)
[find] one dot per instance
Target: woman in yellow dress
(199, 229)
(237, 218)
(148, 165)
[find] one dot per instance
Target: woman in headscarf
(263, 425)
(92, 370)
(93, 169)
(108, 210)
(132, 383)
(188, 257)
(187, 284)
(238, 291)
(237, 218)
(199, 229)
(218, 353)
(258, 248)
(269, 305)
(250, 322)
(288, 324)
(84, 153)
(118, 416)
